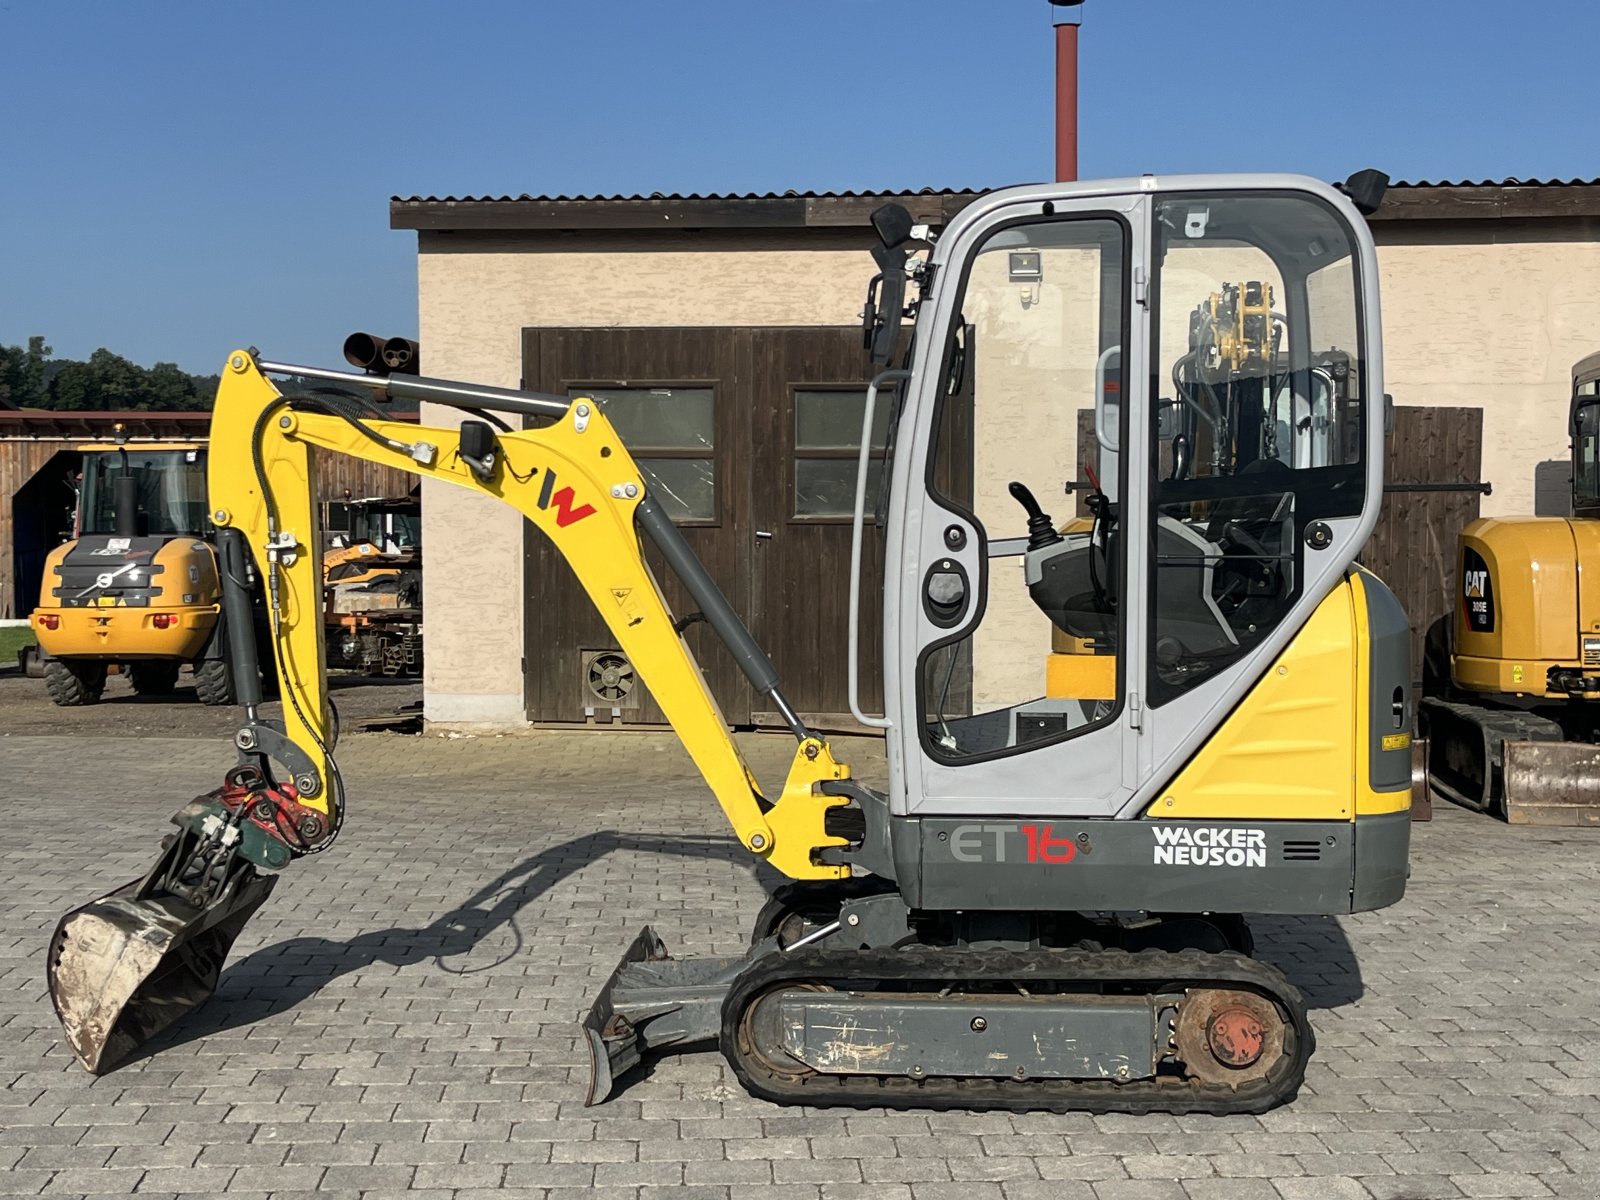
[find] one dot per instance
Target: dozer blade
(654, 1002)
(613, 1042)
(1552, 783)
(126, 966)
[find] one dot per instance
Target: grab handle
(862, 463)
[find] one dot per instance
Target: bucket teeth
(123, 968)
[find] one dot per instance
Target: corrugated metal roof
(1509, 181)
(792, 194)
(640, 196)
(78, 424)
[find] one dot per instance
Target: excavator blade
(126, 966)
(654, 1002)
(612, 1040)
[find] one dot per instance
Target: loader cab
(166, 485)
(1138, 428)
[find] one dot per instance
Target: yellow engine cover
(1297, 747)
(1525, 602)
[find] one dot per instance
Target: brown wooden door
(783, 407)
(671, 392)
(809, 386)
(1432, 469)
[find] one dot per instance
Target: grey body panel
(1383, 848)
(1389, 675)
(1151, 866)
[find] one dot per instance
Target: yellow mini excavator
(1039, 907)
(1512, 677)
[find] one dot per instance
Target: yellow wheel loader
(1039, 907)
(1512, 677)
(138, 585)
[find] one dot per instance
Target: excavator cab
(1040, 906)
(1198, 363)
(1584, 428)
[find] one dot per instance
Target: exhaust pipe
(125, 499)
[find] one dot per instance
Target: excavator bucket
(126, 966)
(1552, 783)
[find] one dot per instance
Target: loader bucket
(124, 967)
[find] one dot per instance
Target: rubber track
(1131, 972)
(1498, 725)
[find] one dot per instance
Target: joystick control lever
(1041, 529)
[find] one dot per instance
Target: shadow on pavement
(1315, 954)
(276, 978)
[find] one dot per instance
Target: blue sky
(180, 178)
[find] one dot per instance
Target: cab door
(996, 706)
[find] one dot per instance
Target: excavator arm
(575, 480)
(125, 966)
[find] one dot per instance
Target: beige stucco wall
(1493, 315)
(1485, 313)
(476, 295)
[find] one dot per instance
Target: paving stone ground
(401, 1017)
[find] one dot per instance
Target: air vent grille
(1591, 651)
(1302, 851)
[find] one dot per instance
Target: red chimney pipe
(1068, 16)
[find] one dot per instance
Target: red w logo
(566, 514)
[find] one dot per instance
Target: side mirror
(886, 294)
(893, 225)
(1366, 189)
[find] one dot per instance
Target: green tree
(166, 388)
(10, 376)
(73, 387)
(31, 378)
(120, 384)
(205, 391)
(22, 373)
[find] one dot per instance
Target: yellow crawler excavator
(1038, 907)
(1511, 709)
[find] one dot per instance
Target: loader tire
(213, 682)
(72, 684)
(154, 678)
